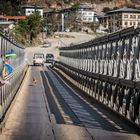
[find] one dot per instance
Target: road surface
(50, 109)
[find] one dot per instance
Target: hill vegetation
(26, 31)
(98, 5)
(12, 7)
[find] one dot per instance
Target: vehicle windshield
(39, 56)
(50, 55)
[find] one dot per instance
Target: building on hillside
(119, 19)
(70, 19)
(29, 9)
(102, 19)
(60, 18)
(85, 13)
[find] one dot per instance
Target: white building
(29, 9)
(85, 14)
(119, 19)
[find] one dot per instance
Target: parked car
(49, 58)
(38, 59)
(46, 44)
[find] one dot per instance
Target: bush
(106, 9)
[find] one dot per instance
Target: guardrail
(8, 91)
(107, 69)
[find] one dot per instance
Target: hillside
(98, 5)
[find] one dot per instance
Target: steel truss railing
(108, 69)
(8, 91)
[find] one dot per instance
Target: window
(138, 17)
(84, 13)
(90, 13)
(133, 16)
(120, 15)
(130, 23)
(84, 18)
(134, 23)
(90, 19)
(126, 23)
(125, 16)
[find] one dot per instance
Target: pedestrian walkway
(30, 118)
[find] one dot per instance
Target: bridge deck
(29, 118)
(35, 116)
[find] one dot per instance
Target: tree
(22, 28)
(115, 8)
(75, 6)
(10, 7)
(30, 26)
(106, 9)
(35, 24)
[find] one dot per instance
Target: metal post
(62, 18)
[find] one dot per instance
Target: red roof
(13, 17)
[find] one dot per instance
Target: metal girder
(106, 63)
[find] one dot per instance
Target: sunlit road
(57, 42)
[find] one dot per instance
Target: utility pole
(62, 18)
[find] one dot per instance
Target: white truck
(38, 59)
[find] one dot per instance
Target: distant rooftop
(84, 6)
(49, 11)
(31, 6)
(125, 9)
(100, 15)
(12, 17)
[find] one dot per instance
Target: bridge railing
(107, 69)
(14, 79)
